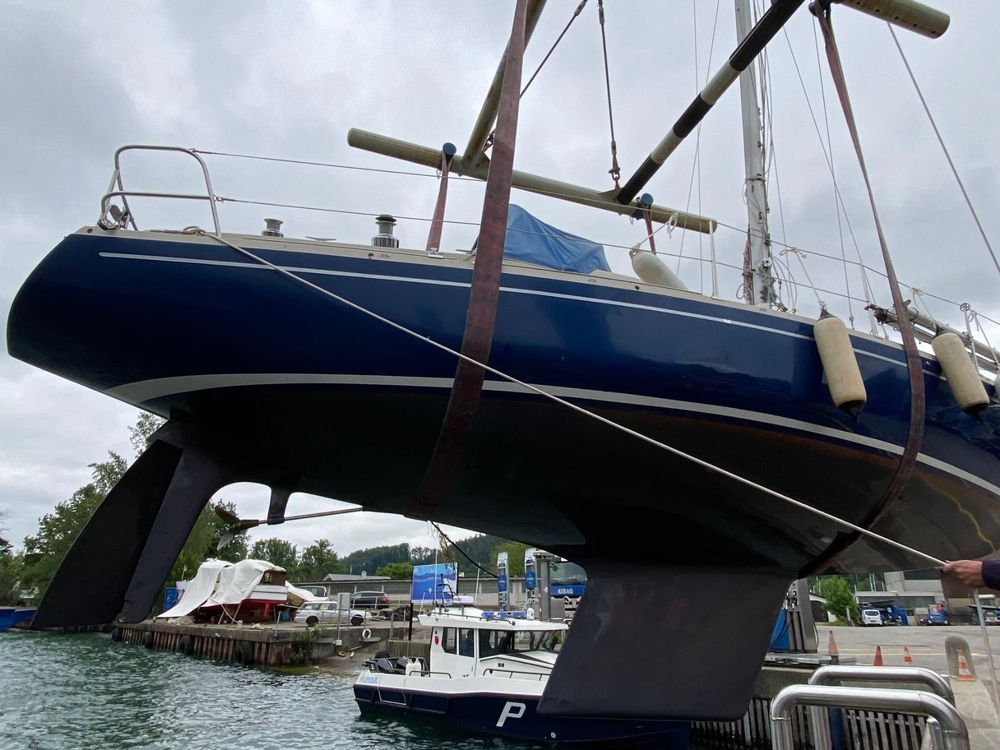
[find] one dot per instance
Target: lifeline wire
(862, 267)
(817, 253)
(568, 404)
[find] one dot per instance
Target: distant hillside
(482, 548)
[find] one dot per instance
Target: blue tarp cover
(537, 242)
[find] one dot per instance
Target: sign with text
(434, 583)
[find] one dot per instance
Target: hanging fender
(963, 378)
(840, 365)
(652, 270)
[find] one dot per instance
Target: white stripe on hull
(503, 289)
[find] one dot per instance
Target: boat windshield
(493, 642)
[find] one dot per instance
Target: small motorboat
(11, 617)
(486, 673)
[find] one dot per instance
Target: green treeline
(25, 575)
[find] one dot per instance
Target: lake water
(81, 691)
(84, 692)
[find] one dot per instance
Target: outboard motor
(384, 237)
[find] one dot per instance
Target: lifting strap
(484, 294)
(434, 235)
(914, 368)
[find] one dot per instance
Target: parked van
(871, 617)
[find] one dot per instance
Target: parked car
(369, 600)
(871, 617)
(315, 613)
(935, 616)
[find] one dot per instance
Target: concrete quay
(265, 644)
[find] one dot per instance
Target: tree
(277, 552)
(316, 561)
(10, 571)
(57, 530)
(839, 598)
(396, 571)
(373, 558)
(203, 541)
(141, 433)
(45, 550)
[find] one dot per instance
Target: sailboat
(683, 448)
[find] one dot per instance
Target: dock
(263, 644)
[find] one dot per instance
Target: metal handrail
(511, 672)
(834, 674)
(121, 192)
(954, 733)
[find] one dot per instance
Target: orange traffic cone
(833, 651)
(878, 657)
(907, 659)
(964, 673)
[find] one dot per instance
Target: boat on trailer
(315, 366)
(486, 674)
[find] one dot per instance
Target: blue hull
(318, 391)
(517, 717)
(13, 616)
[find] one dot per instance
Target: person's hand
(969, 572)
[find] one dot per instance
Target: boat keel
(658, 642)
(116, 567)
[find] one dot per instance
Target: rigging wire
(944, 148)
(974, 316)
(568, 404)
(305, 162)
(461, 551)
(615, 170)
(696, 161)
(552, 49)
(869, 292)
(833, 171)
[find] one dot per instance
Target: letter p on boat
(508, 712)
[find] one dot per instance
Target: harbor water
(82, 691)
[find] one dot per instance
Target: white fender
(843, 376)
(652, 270)
(966, 385)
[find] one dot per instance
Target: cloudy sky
(289, 79)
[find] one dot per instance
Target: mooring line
(569, 405)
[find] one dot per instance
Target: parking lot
(926, 644)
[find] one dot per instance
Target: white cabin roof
(471, 617)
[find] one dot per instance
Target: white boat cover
(297, 596)
(198, 589)
(238, 581)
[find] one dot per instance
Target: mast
(759, 281)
